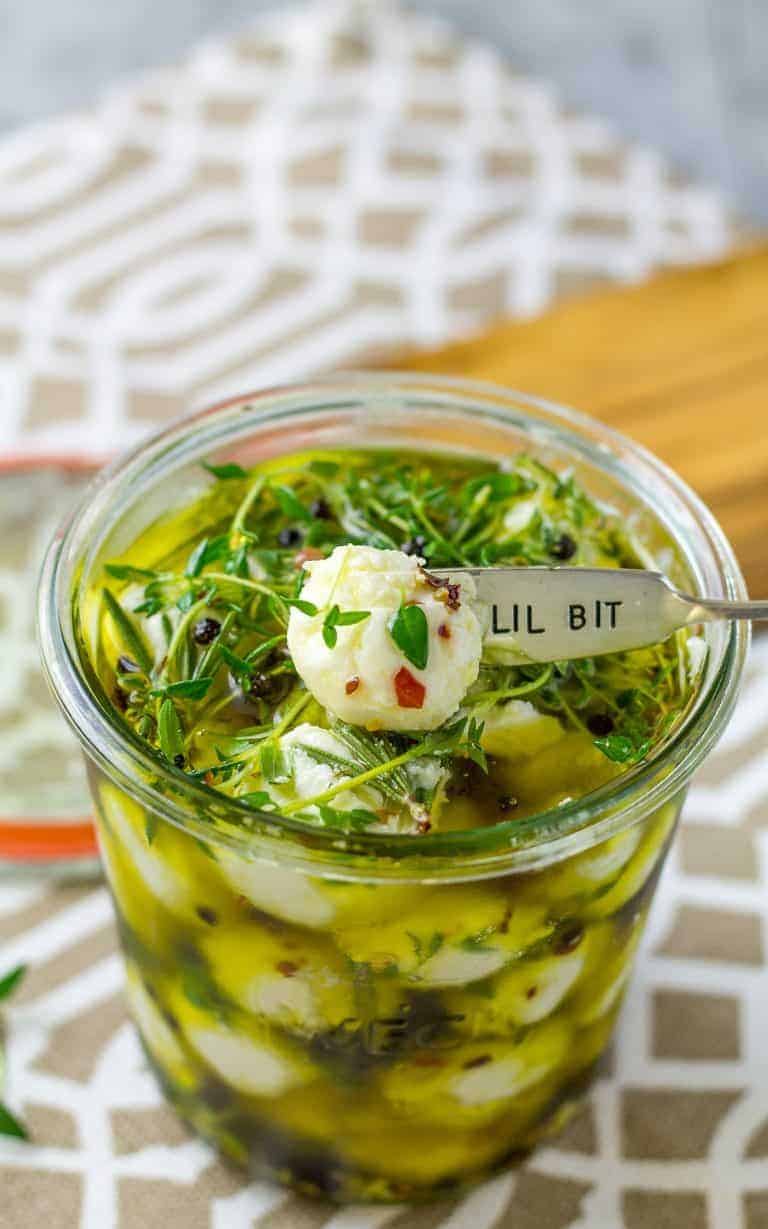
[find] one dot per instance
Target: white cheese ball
(310, 777)
(357, 679)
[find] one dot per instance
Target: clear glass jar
(374, 1016)
(45, 809)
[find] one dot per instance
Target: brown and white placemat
(311, 193)
(674, 1137)
(325, 187)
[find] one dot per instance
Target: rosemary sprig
(129, 634)
(461, 737)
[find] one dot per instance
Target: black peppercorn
(209, 916)
(205, 630)
(321, 509)
(290, 537)
(415, 545)
(260, 685)
(563, 547)
(600, 724)
(179, 760)
(567, 938)
(506, 802)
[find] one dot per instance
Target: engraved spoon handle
(557, 613)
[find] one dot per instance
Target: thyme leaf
(187, 689)
(227, 471)
(170, 732)
(307, 608)
(340, 618)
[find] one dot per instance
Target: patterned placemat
(675, 1137)
(304, 196)
(318, 191)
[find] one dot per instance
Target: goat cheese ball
(407, 661)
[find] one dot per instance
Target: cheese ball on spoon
(390, 646)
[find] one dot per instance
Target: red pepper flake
(531, 992)
(305, 555)
(352, 685)
(287, 968)
(480, 1061)
(209, 778)
(410, 692)
(444, 631)
(423, 826)
(446, 591)
(452, 596)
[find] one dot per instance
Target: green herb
(259, 799)
(239, 667)
(130, 635)
(188, 689)
(528, 687)
(324, 469)
(200, 988)
(273, 763)
(478, 942)
(447, 510)
(340, 618)
(289, 503)
(307, 608)
(458, 738)
(354, 819)
(264, 648)
(621, 749)
(338, 762)
(498, 484)
(209, 550)
(9, 1123)
(425, 950)
(170, 732)
(128, 571)
(470, 745)
(227, 471)
(410, 631)
(11, 980)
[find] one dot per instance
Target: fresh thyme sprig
(220, 689)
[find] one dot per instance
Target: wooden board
(679, 363)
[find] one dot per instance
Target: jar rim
(468, 854)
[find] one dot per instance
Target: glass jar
(45, 810)
(373, 1016)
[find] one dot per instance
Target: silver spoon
(552, 614)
